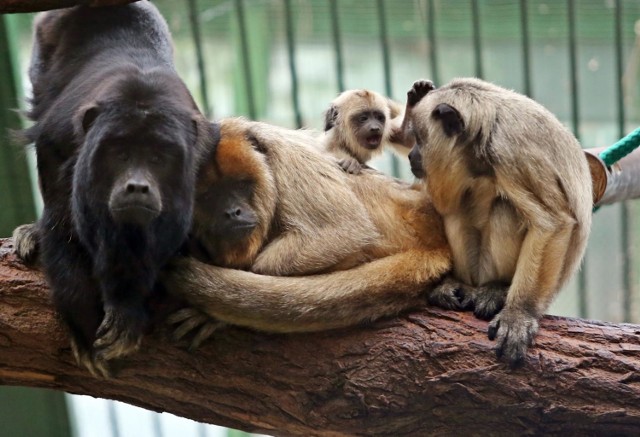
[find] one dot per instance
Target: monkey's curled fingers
(514, 331)
(25, 241)
(350, 165)
(84, 358)
(419, 89)
(191, 319)
(120, 332)
(450, 294)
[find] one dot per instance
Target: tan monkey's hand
(188, 320)
(350, 165)
(486, 300)
(419, 89)
(514, 330)
(25, 241)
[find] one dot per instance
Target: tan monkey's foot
(25, 241)
(191, 319)
(488, 300)
(120, 332)
(514, 331)
(450, 294)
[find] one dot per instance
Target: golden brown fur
(346, 135)
(375, 245)
(514, 190)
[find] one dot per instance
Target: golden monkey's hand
(419, 89)
(450, 294)
(189, 320)
(514, 330)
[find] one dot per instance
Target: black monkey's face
(368, 126)
(137, 158)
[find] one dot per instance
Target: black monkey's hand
(514, 330)
(191, 319)
(85, 358)
(26, 242)
(350, 165)
(121, 331)
(419, 89)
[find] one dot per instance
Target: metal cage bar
(477, 40)
(433, 42)
(386, 63)
(526, 46)
(246, 58)
(625, 213)
(295, 100)
(337, 43)
(575, 126)
(196, 35)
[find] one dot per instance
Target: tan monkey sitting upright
(359, 124)
(515, 193)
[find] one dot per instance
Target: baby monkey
(515, 193)
(359, 123)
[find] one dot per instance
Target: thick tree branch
(14, 6)
(428, 371)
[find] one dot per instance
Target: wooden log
(425, 372)
(15, 6)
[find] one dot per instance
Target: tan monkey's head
(235, 199)
(358, 120)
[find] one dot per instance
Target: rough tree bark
(14, 6)
(425, 372)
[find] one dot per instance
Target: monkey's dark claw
(419, 89)
(85, 358)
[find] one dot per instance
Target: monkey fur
(515, 193)
(359, 124)
(117, 138)
(373, 246)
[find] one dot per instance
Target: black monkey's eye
(123, 155)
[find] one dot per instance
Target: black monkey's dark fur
(110, 109)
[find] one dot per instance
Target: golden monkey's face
(233, 211)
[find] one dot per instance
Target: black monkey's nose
(134, 187)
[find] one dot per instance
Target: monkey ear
(330, 117)
(452, 122)
(85, 117)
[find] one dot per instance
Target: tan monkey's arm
(312, 303)
(402, 137)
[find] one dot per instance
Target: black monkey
(118, 138)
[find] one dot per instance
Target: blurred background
(283, 61)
